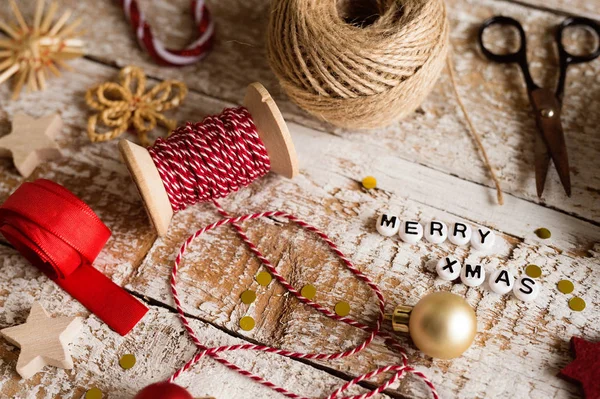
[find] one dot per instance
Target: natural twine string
(358, 76)
(474, 133)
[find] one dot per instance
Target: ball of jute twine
(363, 69)
(353, 72)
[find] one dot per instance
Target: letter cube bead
(387, 224)
(411, 231)
(460, 234)
(483, 239)
(501, 281)
(472, 275)
(448, 268)
(436, 232)
(526, 289)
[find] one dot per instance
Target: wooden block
(149, 185)
(31, 141)
(271, 128)
(43, 341)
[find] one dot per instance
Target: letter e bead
(483, 239)
(472, 276)
(436, 232)
(411, 232)
(460, 234)
(501, 281)
(448, 268)
(387, 224)
(526, 289)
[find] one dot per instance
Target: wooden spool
(272, 130)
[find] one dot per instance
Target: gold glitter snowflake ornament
(32, 51)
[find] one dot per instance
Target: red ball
(163, 390)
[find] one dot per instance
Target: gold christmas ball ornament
(442, 325)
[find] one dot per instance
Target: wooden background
(427, 167)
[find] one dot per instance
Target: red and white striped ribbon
(191, 54)
(398, 370)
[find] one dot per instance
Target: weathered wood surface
(426, 167)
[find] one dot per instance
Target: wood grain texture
(426, 168)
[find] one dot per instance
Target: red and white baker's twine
(191, 54)
(208, 160)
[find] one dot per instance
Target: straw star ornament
(127, 105)
(33, 50)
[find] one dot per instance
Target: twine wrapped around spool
(358, 63)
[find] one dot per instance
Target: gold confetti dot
(533, 271)
(248, 297)
(543, 233)
(369, 182)
(127, 361)
(264, 278)
(247, 323)
(342, 308)
(93, 393)
(308, 291)
(577, 304)
(565, 286)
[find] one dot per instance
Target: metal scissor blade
(542, 164)
(547, 114)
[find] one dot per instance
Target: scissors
(550, 144)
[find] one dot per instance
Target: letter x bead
(501, 281)
(387, 224)
(448, 268)
(526, 289)
(411, 232)
(483, 239)
(436, 232)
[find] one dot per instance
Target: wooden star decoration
(585, 369)
(43, 341)
(31, 141)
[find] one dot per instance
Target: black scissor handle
(518, 56)
(579, 22)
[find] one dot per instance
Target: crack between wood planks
(547, 9)
(299, 121)
(336, 373)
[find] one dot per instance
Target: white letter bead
(387, 224)
(472, 276)
(411, 232)
(526, 289)
(448, 268)
(483, 239)
(501, 281)
(436, 232)
(460, 234)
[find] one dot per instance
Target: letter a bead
(436, 232)
(411, 232)
(387, 224)
(526, 289)
(483, 239)
(448, 268)
(501, 281)
(460, 234)
(472, 275)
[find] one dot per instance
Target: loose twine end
(473, 131)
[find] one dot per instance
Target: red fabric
(585, 369)
(59, 234)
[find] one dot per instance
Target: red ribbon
(60, 235)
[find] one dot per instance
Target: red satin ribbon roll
(60, 235)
